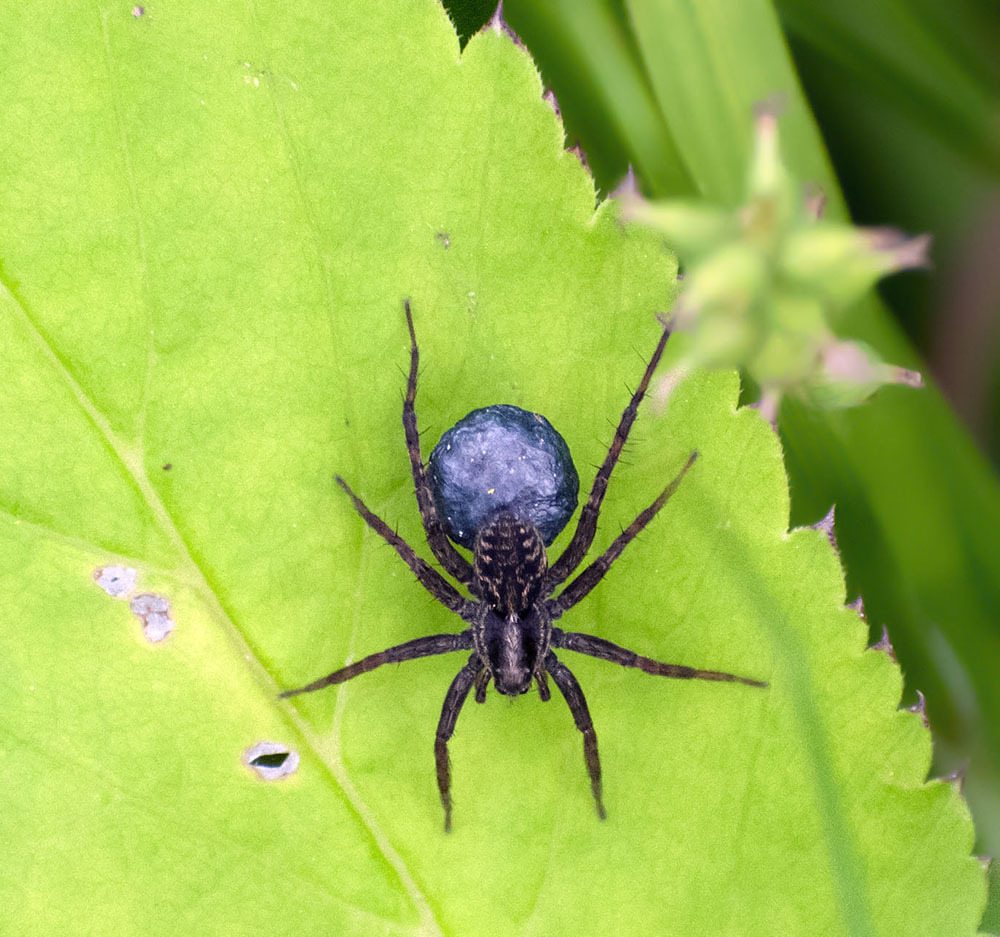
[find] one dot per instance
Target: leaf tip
(577, 151)
(825, 525)
(549, 97)
(501, 27)
(920, 709)
(955, 778)
(884, 644)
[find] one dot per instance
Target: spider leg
(544, 694)
(453, 701)
(605, 650)
(586, 527)
(437, 539)
(593, 574)
(482, 682)
(570, 689)
(410, 650)
(429, 577)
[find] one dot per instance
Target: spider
(510, 617)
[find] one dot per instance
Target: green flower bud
(765, 282)
(692, 229)
(774, 201)
(716, 306)
(732, 277)
(851, 372)
(794, 334)
(842, 262)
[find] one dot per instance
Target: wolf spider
(510, 631)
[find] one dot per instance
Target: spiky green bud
(765, 283)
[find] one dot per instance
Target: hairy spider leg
(570, 689)
(544, 694)
(409, 650)
(429, 577)
(586, 527)
(482, 682)
(453, 701)
(605, 650)
(593, 574)
(437, 539)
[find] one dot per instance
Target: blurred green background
(893, 108)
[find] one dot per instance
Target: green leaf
(210, 218)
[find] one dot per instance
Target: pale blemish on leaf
(154, 613)
(117, 581)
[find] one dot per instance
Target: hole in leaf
(271, 761)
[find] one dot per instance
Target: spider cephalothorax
(511, 630)
(502, 483)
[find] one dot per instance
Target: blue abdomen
(502, 458)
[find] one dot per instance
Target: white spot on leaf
(117, 581)
(154, 613)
